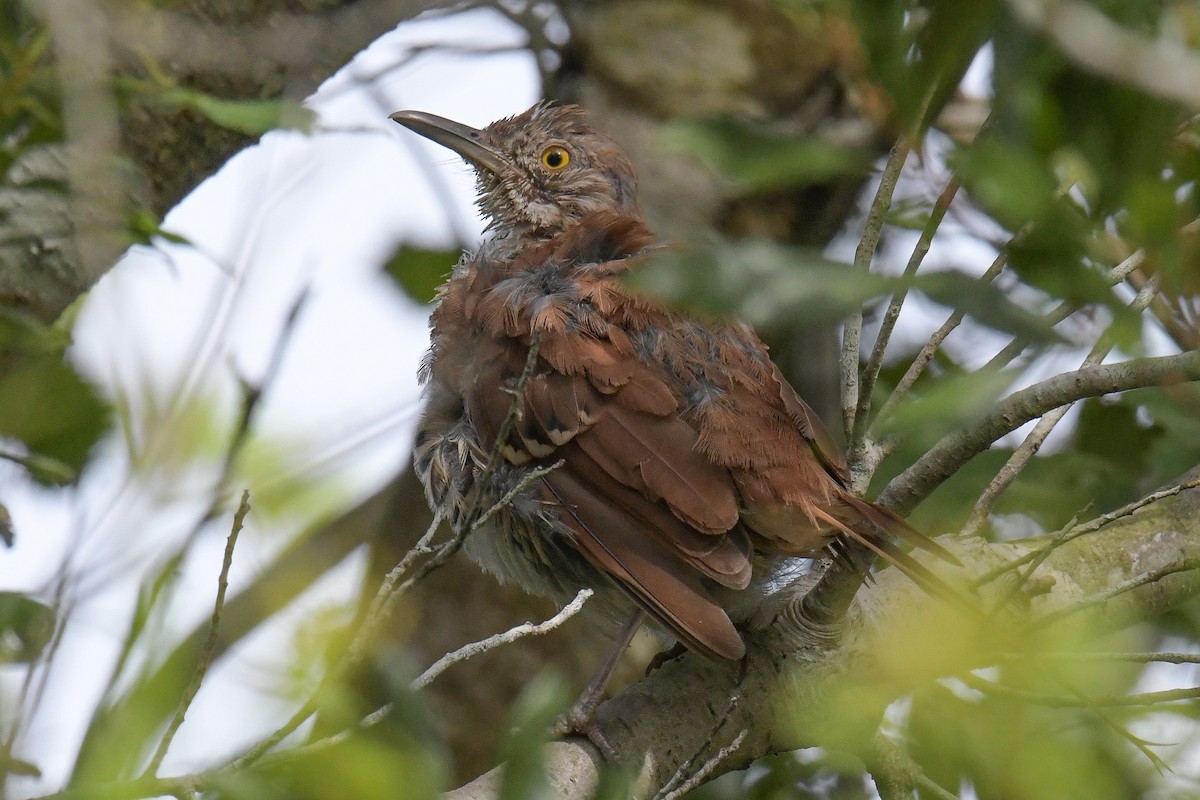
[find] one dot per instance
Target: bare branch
(1071, 530)
(1033, 442)
(507, 637)
(870, 372)
(706, 769)
(896, 774)
(956, 449)
(1073, 701)
(210, 644)
(1065, 309)
(852, 331)
(935, 343)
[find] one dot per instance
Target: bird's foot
(670, 654)
(581, 721)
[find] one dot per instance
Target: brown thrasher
(684, 453)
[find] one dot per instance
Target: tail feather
(890, 552)
(892, 523)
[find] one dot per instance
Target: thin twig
(467, 522)
(887, 325)
(527, 480)
(935, 343)
(681, 782)
(378, 611)
(1073, 531)
(873, 229)
(1063, 310)
(1165, 658)
(492, 642)
(1172, 319)
(899, 768)
(1040, 556)
(1072, 701)
(308, 748)
(210, 644)
(1100, 598)
(701, 775)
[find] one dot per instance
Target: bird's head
(539, 171)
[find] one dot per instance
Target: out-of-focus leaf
(1012, 184)
(909, 213)
(953, 402)
(57, 414)
(535, 711)
(760, 160)
(15, 766)
(767, 284)
(986, 304)
(251, 117)
(616, 782)
(1009, 748)
(26, 627)
(1176, 412)
(45, 470)
(420, 272)
(918, 54)
(759, 282)
(145, 227)
(29, 102)
(268, 467)
(400, 757)
(7, 534)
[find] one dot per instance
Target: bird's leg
(580, 718)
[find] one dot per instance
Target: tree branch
(796, 672)
(954, 450)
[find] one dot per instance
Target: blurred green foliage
(419, 272)
(30, 114)
(26, 626)
(56, 415)
(758, 160)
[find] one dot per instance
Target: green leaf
(986, 304)
(253, 117)
(521, 750)
(145, 226)
(766, 284)
(919, 52)
(760, 282)
(952, 402)
(1013, 184)
(420, 272)
(57, 414)
(760, 160)
(26, 627)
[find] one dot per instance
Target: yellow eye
(555, 157)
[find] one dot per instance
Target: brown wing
(645, 506)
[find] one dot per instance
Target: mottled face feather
(539, 171)
(539, 190)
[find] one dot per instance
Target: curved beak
(462, 139)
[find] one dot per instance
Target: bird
(657, 458)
